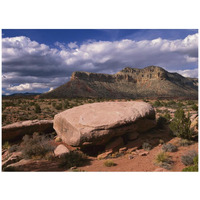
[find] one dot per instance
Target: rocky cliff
(150, 82)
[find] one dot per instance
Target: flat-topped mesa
(151, 72)
(87, 76)
(128, 74)
(150, 82)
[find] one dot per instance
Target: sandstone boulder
(97, 123)
(17, 130)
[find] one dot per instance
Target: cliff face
(150, 82)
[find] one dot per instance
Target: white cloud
(193, 73)
(26, 87)
(72, 45)
(26, 63)
(50, 89)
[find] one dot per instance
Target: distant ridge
(150, 82)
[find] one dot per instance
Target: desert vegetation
(171, 136)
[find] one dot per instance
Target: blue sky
(38, 60)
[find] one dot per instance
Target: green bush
(194, 107)
(169, 147)
(163, 160)
(6, 145)
(185, 142)
(189, 158)
(109, 163)
(180, 125)
(13, 148)
(193, 168)
(157, 103)
(36, 146)
(73, 159)
(37, 108)
(58, 107)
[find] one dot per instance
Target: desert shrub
(180, 125)
(190, 102)
(6, 145)
(36, 146)
(170, 103)
(169, 147)
(37, 108)
(180, 104)
(194, 107)
(54, 104)
(185, 142)
(161, 141)
(193, 168)
(66, 104)
(13, 148)
(161, 122)
(146, 146)
(31, 103)
(109, 163)
(58, 107)
(72, 159)
(163, 160)
(188, 159)
(157, 103)
(4, 117)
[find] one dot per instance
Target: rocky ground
(138, 154)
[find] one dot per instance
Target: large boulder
(97, 123)
(17, 130)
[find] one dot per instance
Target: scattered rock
(17, 166)
(144, 153)
(97, 123)
(132, 136)
(104, 155)
(132, 149)
(130, 157)
(13, 158)
(17, 130)
(123, 149)
(61, 150)
(115, 144)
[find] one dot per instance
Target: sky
(39, 60)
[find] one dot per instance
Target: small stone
(130, 157)
(132, 149)
(104, 155)
(61, 150)
(122, 149)
(74, 167)
(144, 153)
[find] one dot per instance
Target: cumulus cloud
(29, 65)
(193, 73)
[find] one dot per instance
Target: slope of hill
(150, 82)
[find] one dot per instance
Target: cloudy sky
(40, 60)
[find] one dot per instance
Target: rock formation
(150, 82)
(98, 123)
(17, 130)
